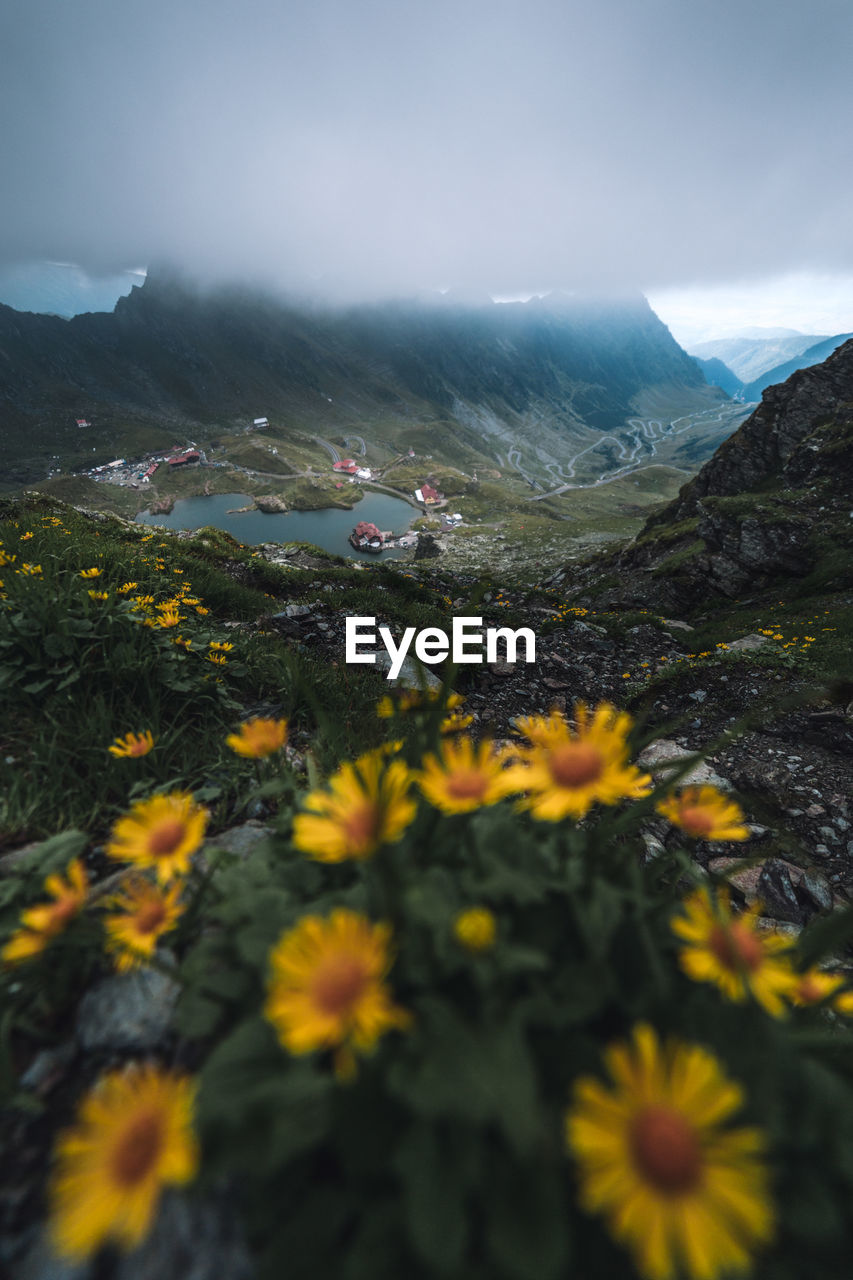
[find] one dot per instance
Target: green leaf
(826, 936)
(526, 1231)
(434, 1196)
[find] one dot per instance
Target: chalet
(183, 458)
(260, 423)
(366, 537)
(81, 422)
(346, 465)
(427, 495)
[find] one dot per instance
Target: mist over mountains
(554, 372)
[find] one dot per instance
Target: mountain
(720, 375)
(771, 508)
(813, 355)
(549, 375)
(750, 357)
(61, 288)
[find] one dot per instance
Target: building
(427, 495)
(346, 465)
(183, 458)
(366, 537)
(260, 423)
(81, 422)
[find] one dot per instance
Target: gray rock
(239, 840)
(816, 889)
(192, 1239)
(776, 892)
(41, 1263)
(127, 1011)
(661, 758)
(746, 643)
(411, 676)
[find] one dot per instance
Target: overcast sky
(365, 148)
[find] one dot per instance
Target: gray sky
(366, 148)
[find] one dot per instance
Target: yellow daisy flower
(169, 618)
(126, 587)
(455, 722)
(465, 776)
(367, 804)
(162, 832)
(475, 929)
(133, 744)
(705, 813)
(31, 570)
(326, 988)
(257, 738)
(218, 659)
(132, 1137)
(90, 573)
(566, 771)
(411, 700)
(817, 986)
(40, 925)
(200, 609)
(99, 595)
(685, 1194)
(730, 952)
(220, 646)
(144, 914)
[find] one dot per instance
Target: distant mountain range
(551, 373)
(746, 365)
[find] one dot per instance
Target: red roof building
(183, 458)
(347, 465)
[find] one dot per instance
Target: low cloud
(355, 148)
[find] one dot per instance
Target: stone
(745, 880)
(815, 888)
(193, 1238)
(127, 1011)
(746, 643)
(239, 840)
(412, 674)
(776, 892)
(662, 757)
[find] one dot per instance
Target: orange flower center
(166, 837)
(338, 984)
(468, 785)
(362, 825)
(736, 947)
(696, 821)
(575, 764)
(61, 912)
(150, 916)
(137, 1149)
(138, 748)
(665, 1150)
(809, 991)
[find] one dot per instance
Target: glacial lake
(328, 528)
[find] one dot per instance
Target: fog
(360, 149)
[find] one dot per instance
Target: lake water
(328, 528)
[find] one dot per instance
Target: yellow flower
(219, 659)
(475, 928)
(99, 595)
(730, 952)
(327, 989)
(181, 642)
(464, 777)
(132, 1137)
(144, 915)
(200, 609)
(162, 832)
(816, 986)
(90, 573)
(685, 1194)
(31, 570)
(366, 805)
(143, 601)
(25, 537)
(455, 722)
(258, 738)
(126, 587)
(567, 771)
(40, 925)
(219, 646)
(169, 618)
(133, 744)
(705, 813)
(412, 700)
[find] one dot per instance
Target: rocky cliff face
(773, 503)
